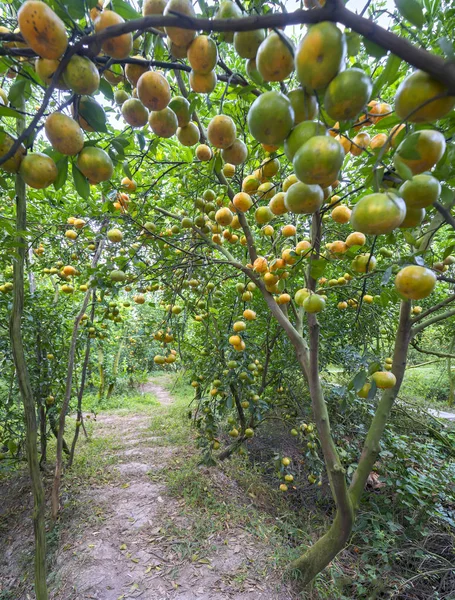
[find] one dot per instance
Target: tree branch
(432, 352)
(418, 328)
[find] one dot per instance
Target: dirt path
(129, 539)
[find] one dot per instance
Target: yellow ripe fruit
(341, 214)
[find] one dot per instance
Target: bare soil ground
(126, 537)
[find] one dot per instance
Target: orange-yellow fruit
(250, 184)
(356, 239)
(320, 55)
(242, 201)
(64, 134)
(288, 230)
(45, 69)
(363, 263)
(302, 248)
(134, 70)
(246, 43)
(81, 75)
(274, 58)
(12, 164)
(42, 29)
(338, 247)
(379, 141)
(415, 282)
(290, 180)
(249, 314)
(188, 135)
(69, 270)
(202, 54)
(420, 191)
(163, 122)
(271, 118)
(228, 170)
(302, 198)
(384, 379)
(263, 215)
(304, 104)
(381, 109)
(181, 107)
(135, 113)
(341, 214)
(345, 142)
(38, 170)
(153, 90)
(269, 167)
(416, 90)
(378, 213)
(224, 216)
(221, 131)
(154, 7)
(413, 218)
(420, 151)
(319, 160)
(180, 37)
(235, 154)
(347, 94)
(359, 143)
(117, 47)
(277, 204)
(203, 153)
(95, 164)
(201, 83)
(130, 185)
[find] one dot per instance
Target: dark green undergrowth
(402, 546)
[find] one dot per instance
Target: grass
(427, 386)
(131, 402)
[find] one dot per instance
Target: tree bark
(25, 388)
(371, 446)
(68, 386)
(82, 387)
(111, 387)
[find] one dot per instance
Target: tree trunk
(43, 436)
(26, 388)
(82, 387)
(67, 397)
(371, 446)
(451, 398)
(115, 366)
(101, 372)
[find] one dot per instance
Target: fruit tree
(251, 192)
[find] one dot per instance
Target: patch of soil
(123, 539)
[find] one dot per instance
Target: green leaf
(373, 389)
(387, 275)
(106, 89)
(124, 10)
(353, 42)
(373, 49)
(93, 113)
(411, 11)
(17, 91)
(126, 169)
(62, 166)
(81, 184)
(447, 47)
(5, 111)
(359, 380)
(375, 366)
(317, 268)
(388, 75)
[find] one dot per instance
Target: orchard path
(128, 538)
